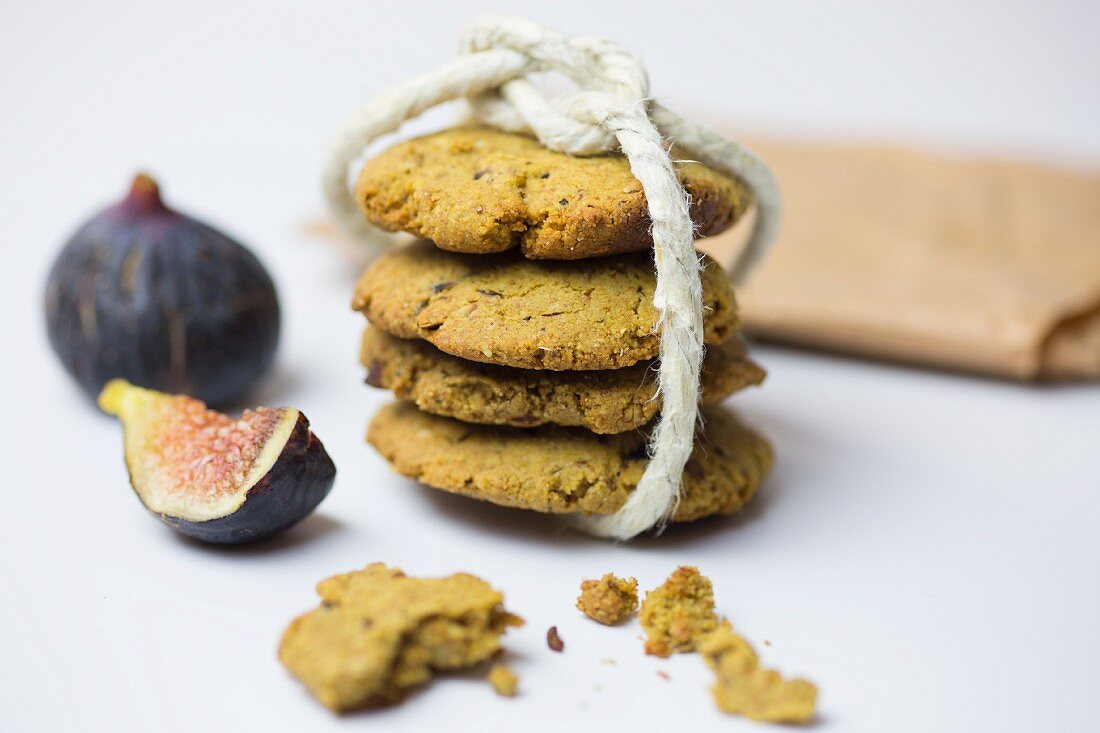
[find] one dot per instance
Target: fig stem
(144, 195)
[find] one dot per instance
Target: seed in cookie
(603, 401)
(553, 469)
(479, 190)
(503, 309)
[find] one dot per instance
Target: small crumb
(553, 640)
(663, 675)
(678, 613)
(608, 661)
(608, 600)
(503, 680)
(767, 643)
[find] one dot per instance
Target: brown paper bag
(973, 264)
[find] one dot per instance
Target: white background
(926, 549)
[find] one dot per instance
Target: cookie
(379, 633)
(603, 401)
(478, 190)
(503, 309)
(553, 469)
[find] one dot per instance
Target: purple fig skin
(150, 295)
(298, 481)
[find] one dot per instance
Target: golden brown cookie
(378, 633)
(503, 309)
(553, 469)
(478, 190)
(604, 401)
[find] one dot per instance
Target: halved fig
(215, 478)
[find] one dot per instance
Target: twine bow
(608, 111)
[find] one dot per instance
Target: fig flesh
(215, 478)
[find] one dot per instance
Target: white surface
(926, 549)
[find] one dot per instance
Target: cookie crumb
(608, 661)
(378, 633)
(679, 616)
(678, 613)
(743, 687)
(663, 675)
(504, 681)
(608, 600)
(553, 640)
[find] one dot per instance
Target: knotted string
(609, 111)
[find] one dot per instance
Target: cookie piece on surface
(678, 613)
(553, 469)
(503, 309)
(743, 687)
(378, 634)
(603, 401)
(609, 600)
(479, 190)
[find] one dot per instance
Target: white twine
(609, 111)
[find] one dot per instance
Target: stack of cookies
(518, 334)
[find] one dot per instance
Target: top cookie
(478, 190)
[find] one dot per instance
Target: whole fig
(144, 293)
